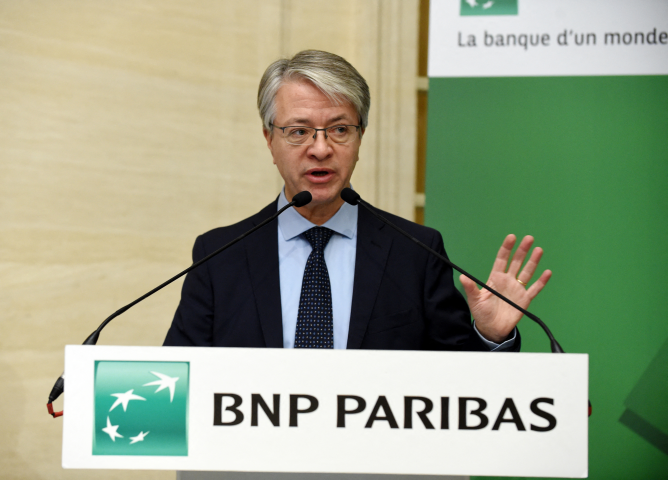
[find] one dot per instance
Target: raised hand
(494, 318)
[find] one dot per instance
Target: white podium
(329, 412)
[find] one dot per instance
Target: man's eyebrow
(307, 122)
(337, 119)
(298, 121)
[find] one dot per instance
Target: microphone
(299, 200)
(352, 197)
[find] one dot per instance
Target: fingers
(513, 269)
(470, 288)
(538, 285)
(501, 262)
(530, 268)
(520, 255)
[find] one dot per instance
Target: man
(327, 274)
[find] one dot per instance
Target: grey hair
(332, 74)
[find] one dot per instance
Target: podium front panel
(328, 411)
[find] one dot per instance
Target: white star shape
(111, 430)
(487, 5)
(164, 382)
(124, 398)
(138, 438)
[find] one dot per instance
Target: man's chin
(323, 198)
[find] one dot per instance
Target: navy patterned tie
(315, 328)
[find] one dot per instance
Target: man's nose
(320, 146)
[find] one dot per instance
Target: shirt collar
(291, 224)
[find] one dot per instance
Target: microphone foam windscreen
(302, 198)
(350, 196)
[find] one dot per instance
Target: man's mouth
(320, 175)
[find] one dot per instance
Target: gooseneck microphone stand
(352, 197)
(299, 200)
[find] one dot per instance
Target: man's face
(323, 168)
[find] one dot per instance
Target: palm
(494, 318)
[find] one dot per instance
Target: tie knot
(318, 237)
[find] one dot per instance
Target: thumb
(470, 288)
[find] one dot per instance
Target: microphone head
(302, 198)
(350, 196)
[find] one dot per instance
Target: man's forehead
(301, 102)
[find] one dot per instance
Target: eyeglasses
(298, 135)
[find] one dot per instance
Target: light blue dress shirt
(293, 252)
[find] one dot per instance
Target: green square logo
(488, 7)
(141, 408)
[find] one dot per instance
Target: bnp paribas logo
(141, 408)
(488, 7)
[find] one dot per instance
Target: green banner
(580, 163)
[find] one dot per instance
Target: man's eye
(338, 130)
(298, 132)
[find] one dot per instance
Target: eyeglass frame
(315, 135)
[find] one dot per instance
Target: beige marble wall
(126, 129)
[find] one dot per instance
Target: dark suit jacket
(403, 297)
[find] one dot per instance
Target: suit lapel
(262, 255)
(373, 247)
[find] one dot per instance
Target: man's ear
(268, 137)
